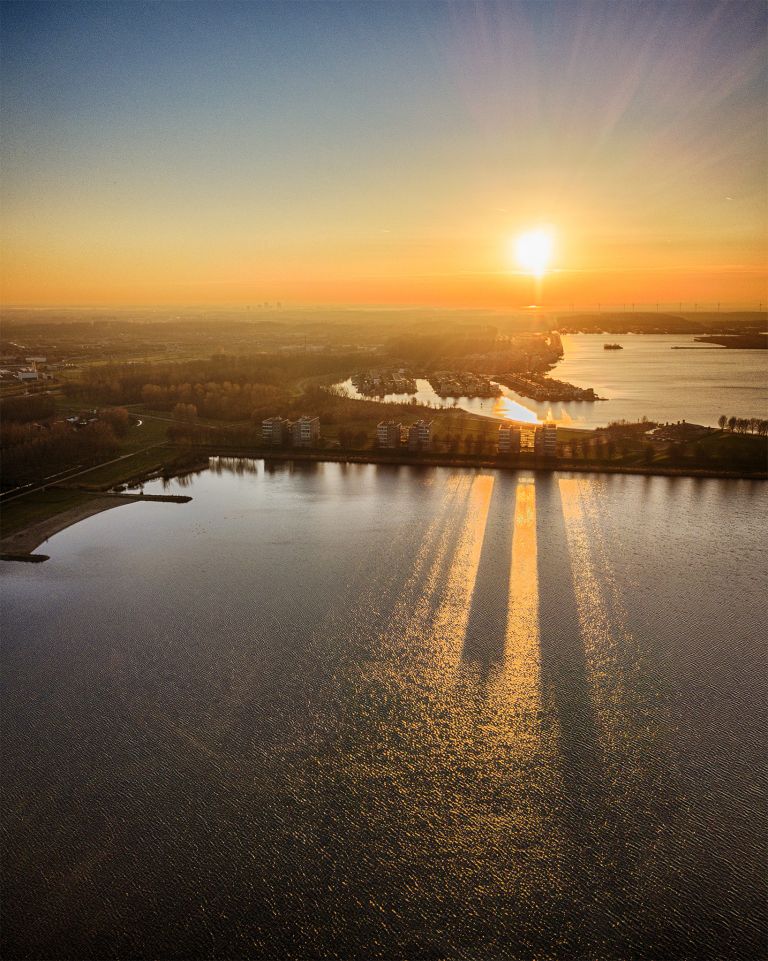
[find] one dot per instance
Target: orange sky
(343, 154)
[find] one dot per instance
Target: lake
(664, 377)
(358, 711)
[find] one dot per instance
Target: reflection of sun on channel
(453, 614)
(523, 619)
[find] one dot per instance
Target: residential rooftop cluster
(26, 372)
(540, 387)
(378, 383)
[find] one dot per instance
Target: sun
(533, 250)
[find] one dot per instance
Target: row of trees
(219, 401)
(46, 452)
(191, 432)
(31, 450)
(22, 410)
(743, 425)
(124, 383)
(14, 433)
(602, 448)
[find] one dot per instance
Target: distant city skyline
(371, 153)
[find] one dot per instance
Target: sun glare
(533, 251)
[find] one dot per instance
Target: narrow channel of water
(664, 377)
(506, 407)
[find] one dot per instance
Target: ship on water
(612, 347)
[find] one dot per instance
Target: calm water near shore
(665, 377)
(349, 711)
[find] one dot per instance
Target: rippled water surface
(365, 712)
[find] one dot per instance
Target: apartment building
(305, 432)
(274, 431)
(388, 434)
(546, 440)
(528, 437)
(508, 441)
(420, 435)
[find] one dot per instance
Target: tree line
(219, 401)
(22, 410)
(743, 425)
(47, 451)
(124, 383)
(33, 449)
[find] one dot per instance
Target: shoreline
(21, 544)
(438, 460)
(26, 540)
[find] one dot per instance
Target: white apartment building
(508, 441)
(420, 435)
(388, 434)
(305, 432)
(528, 437)
(274, 431)
(546, 440)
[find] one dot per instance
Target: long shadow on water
(564, 681)
(486, 629)
(611, 916)
(581, 803)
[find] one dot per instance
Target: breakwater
(169, 498)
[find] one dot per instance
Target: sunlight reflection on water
(650, 377)
(373, 712)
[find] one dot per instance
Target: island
(751, 341)
(462, 384)
(379, 383)
(630, 321)
(541, 387)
